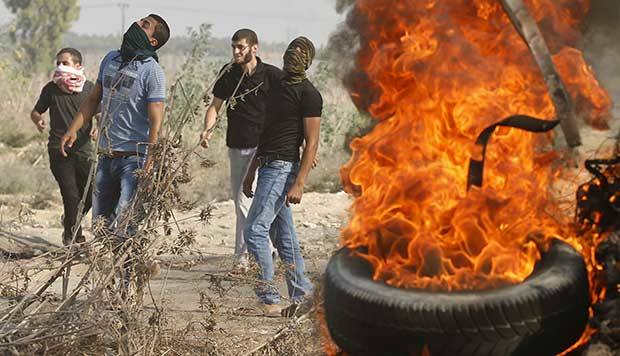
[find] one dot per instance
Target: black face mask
(136, 45)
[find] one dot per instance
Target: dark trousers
(71, 173)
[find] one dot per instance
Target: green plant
(38, 28)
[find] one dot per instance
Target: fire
(435, 74)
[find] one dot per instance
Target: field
(201, 306)
(191, 301)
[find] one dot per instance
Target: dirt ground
(185, 282)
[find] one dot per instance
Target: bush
(19, 177)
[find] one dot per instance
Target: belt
(265, 159)
(121, 154)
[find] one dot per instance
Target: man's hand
(294, 194)
(205, 136)
(67, 140)
(41, 125)
(148, 164)
(247, 185)
(93, 133)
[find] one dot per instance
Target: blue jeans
(270, 217)
(115, 186)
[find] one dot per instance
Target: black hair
(162, 31)
(75, 54)
(246, 34)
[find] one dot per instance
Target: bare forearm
(87, 111)
(312, 128)
(212, 113)
(210, 121)
(35, 116)
(210, 118)
(85, 115)
(78, 122)
(307, 159)
(156, 117)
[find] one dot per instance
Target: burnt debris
(598, 201)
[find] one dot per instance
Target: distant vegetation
(38, 27)
(218, 47)
(196, 57)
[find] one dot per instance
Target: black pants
(71, 173)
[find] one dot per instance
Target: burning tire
(543, 315)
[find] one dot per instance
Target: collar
(117, 58)
(260, 67)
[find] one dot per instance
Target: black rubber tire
(543, 315)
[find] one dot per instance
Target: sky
(273, 20)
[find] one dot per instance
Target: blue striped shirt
(126, 93)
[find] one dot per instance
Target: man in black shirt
(293, 115)
(245, 85)
(63, 97)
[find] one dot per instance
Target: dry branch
(529, 31)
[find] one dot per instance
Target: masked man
(293, 115)
(131, 90)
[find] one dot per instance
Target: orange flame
(435, 74)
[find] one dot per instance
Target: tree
(38, 28)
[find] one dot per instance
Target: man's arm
(210, 121)
(249, 178)
(43, 103)
(85, 115)
(156, 117)
(312, 128)
(38, 120)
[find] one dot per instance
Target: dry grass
(102, 311)
(98, 313)
(23, 183)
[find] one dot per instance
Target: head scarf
(297, 59)
(70, 80)
(136, 45)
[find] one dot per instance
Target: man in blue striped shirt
(131, 90)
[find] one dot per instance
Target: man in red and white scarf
(69, 79)
(62, 97)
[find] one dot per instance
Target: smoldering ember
(438, 178)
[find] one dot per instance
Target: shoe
(269, 310)
(80, 239)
